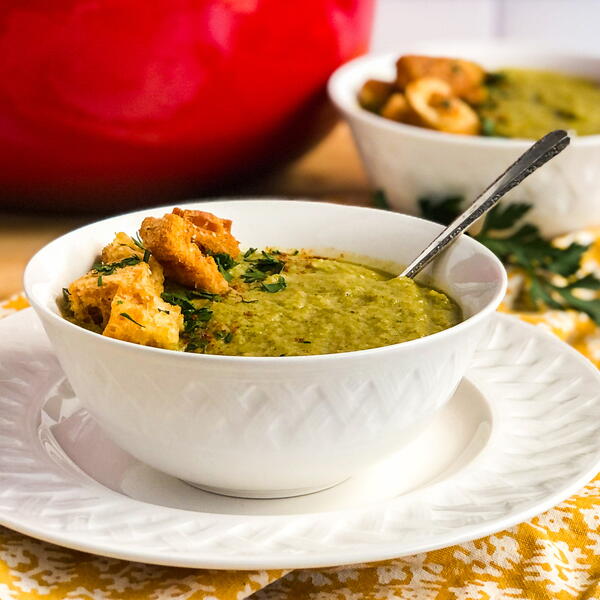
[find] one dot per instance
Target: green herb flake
(224, 263)
(193, 318)
(137, 241)
(99, 281)
(488, 127)
(272, 288)
(380, 200)
(126, 316)
(109, 268)
(249, 253)
(253, 275)
(66, 295)
(162, 310)
(441, 210)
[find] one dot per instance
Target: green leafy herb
(65, 294)
(99, 281)
(162, 310)
(203, 295)
(226, 336)
(272, 288)
(492, 79)
(109, 268)
(488, 127)
(137, 241)
(194, 318)
(196, 344)
(268, 264)
(441, 210)
(126, 316)
(253, 275)
(224, 263)
(249, 253)
(522, 246)
(380, 200)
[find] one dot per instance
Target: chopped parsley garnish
(494, 78)
(203, 295)
(99, 280)
(522, 246)
(226, 336)
(224, 263)
(267, 264)
(196, 344)
(193, 318)
(253, 275)
(380, 200)
(488, 127)
(272, 288)
(441, 210)
(110, 268)
(126, 316)
(137, 241)
(249, 253)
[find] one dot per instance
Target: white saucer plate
(521, 433)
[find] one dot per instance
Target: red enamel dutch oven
(107, 104)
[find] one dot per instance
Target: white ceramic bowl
(270, 427)
(408, 162)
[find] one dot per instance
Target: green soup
(326, 306)
(523, 103)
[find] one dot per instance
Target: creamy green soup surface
(305, 305)
(527, 103)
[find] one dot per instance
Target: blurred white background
(565, 23)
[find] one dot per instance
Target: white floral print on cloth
(554, 556)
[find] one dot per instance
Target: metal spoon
(541, 152)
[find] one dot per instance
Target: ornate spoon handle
(541, 152)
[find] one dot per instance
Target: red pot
(108, 104)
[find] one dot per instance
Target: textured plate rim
(206, 558)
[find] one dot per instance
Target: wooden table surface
(331, 171)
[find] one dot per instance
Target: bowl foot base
(262, 494)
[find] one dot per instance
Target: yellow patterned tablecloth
(554, 556)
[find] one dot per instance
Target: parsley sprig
(194, 318)
(553, 273)
(267, 264)
(109, 268)
(224, 263)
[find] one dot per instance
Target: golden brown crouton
(431, 100)
(123, 247)
(99, 299)
(171, 239)
(396, 108)
(146, 320)
(212, 233)
(374, 94)
(464, 77)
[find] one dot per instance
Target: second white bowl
(408, 163)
